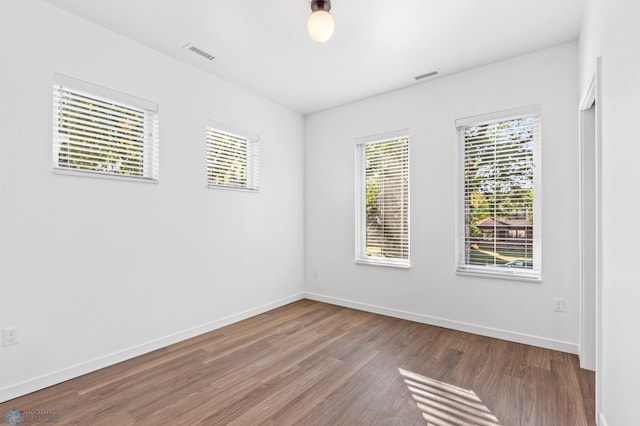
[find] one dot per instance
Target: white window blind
(499, 231)
(382, 200)
(232, 158)
(101, 132)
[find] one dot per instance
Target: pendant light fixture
(320, 24)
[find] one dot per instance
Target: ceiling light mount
(320, 24)
(321, 5)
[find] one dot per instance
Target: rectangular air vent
(199, 51)
(427, 75)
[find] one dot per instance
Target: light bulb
(320, 26)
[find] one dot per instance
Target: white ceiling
(377, 46)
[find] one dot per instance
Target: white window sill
(99, 175)
(232, 188)
(384, 262)
(506, 274)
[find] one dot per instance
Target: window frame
(360, 197)
(151, 140)
(252, 161)
(523, 274)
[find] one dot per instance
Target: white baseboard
(46, 380)
(601, 420)
(511, 336)
(587, 362)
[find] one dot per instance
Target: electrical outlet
(559, 305)
(10, 336)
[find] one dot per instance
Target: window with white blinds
(101, 132)
(499, 223)
(232, 158)
(382, 200)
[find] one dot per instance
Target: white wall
(431, 291)
(610, 30)
(92, 270)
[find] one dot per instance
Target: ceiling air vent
(199, 51)
(427, 75)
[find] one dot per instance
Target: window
(382, 200)
(232, 158)
(498, 231)
(100, 132)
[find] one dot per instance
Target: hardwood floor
(310, 363)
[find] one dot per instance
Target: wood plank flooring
(310, 363)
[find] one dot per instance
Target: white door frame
(590, 239)
(588, 224)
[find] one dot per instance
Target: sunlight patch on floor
(443, 404)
